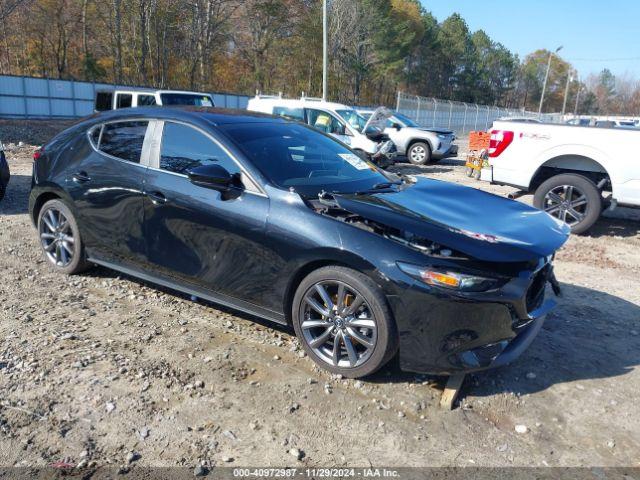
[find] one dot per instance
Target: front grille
(535, 293)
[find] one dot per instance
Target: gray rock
(297, 453)
(132, 457)
(199, 471)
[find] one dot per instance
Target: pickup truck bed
(575, 172)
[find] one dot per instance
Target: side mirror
(397, 126)
(213, 176)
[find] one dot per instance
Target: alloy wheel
(566, 202)
(57, 237)
(338, 324)
(418, 153)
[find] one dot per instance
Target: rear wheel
(574, 199)
(343, 322)
(419, 153)
(60, 238)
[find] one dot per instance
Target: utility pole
(325, 52)
(575, 110)
(546, 78)
(566, 91)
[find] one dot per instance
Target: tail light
(500, 140)
(38, 153)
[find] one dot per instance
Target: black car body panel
(251, 251)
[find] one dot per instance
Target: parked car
(615, 124)
(111, 99)
(5, 174)
(340, 121)
(583, 122)
(420, 144)
(568, 168)
(279, 220)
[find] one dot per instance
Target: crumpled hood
(477, 223)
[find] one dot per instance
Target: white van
(341, 121)
(111, 99)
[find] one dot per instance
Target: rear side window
(123, 140)
(124, 100)
(294, 113)
(184, 147)
(146, 100)
(104, 101)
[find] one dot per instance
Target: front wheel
(419, 153)
(343, 322)
(574, 199)
(60, 238)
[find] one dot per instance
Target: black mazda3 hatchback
(276, 219)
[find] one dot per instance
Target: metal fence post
(73, 98)
(24, 97)
(398, 101)
(450, 112)
(486, 123)
(418, 111)
(49, 97)
(475, 127)
(464, 119)
(435, 109)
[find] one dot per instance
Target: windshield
(186, 99)
(405, 121)
(296, 156)
(353, 118)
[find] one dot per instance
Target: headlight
(442, 136)
(449, 279)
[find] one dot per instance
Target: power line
(603, 59)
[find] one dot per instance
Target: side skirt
(218, 298)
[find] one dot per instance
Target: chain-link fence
(460, 117)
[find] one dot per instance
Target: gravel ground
(102, 369)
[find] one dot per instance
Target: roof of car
(213, 115)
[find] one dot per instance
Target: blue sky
(595, 33)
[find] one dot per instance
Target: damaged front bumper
(441, 333)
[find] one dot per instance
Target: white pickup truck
(574, 172)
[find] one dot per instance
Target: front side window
(146, 100)
(404, 120)
(184, 147)
(325, 122)
(124, 100)
(353, 118)
(186, 99)
(123, 140)
(293, 113)
(295, 156)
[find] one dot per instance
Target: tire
(60, 238)
(419, 153)
(3, 190)
(372, 323)
(580, 211)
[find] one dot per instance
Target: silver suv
(420, 144)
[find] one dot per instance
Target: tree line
(376, 48)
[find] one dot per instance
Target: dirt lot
(106, 370)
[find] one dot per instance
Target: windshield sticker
(355, 161)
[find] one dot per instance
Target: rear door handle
(81, 177)
(157, 198)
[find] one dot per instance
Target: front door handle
(81, 177)
(157, 198)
